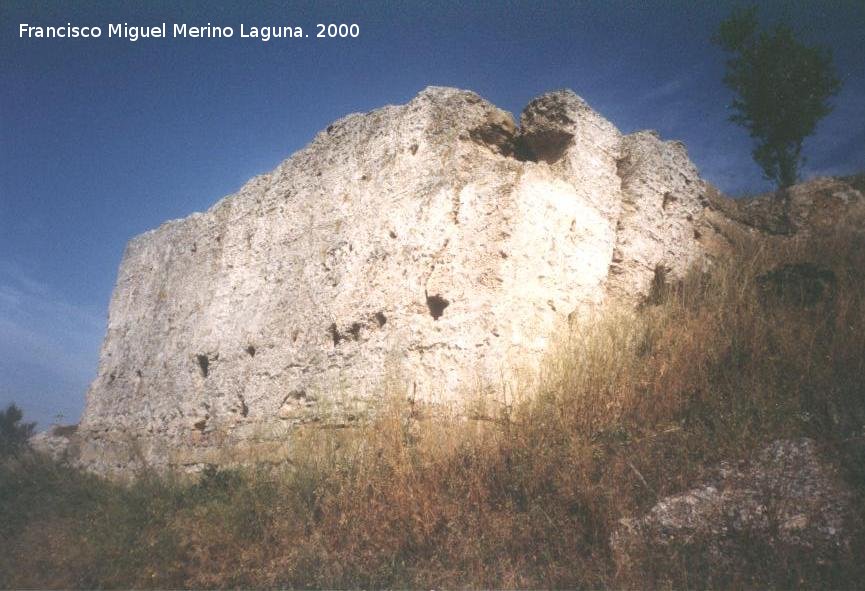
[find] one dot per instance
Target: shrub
(14, 434)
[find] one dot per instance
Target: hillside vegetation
(633, 406)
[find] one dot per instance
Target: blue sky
(103, 139)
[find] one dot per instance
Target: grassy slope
(634, 406)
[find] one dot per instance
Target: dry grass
(633, 406)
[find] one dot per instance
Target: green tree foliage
(782, 90)
(13, 433)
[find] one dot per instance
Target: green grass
(633, 406)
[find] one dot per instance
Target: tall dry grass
(633, 405)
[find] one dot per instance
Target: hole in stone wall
(250, 350)
(203, 364)
(522, 151)
(436, 305)
(668, 199)
(244, 410)
(380, 319)
(540, 146)
(503, 139)
(201, 425)
(354, 330)
(546, 146)
(661, 288)
(334, 334)
(494, 135)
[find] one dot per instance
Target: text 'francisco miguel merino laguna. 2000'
(181, 30)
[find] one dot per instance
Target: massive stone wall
(434, 246)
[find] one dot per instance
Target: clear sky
(102, 139)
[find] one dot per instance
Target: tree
(13, 436)
(782, 90)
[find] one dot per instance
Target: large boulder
(785, 501)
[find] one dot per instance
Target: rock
(798, 284)
(550, 123)
(814, 207)
(60, 443)
(433, 248)
(785, 499)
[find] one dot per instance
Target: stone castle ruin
(435, 245)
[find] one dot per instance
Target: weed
(632, 406)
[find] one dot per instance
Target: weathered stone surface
(433, 248)
(662, 203)
(785, 497)
(407, 244)
(818, 206)
(60, 443)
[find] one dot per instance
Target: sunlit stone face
(434, 246)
